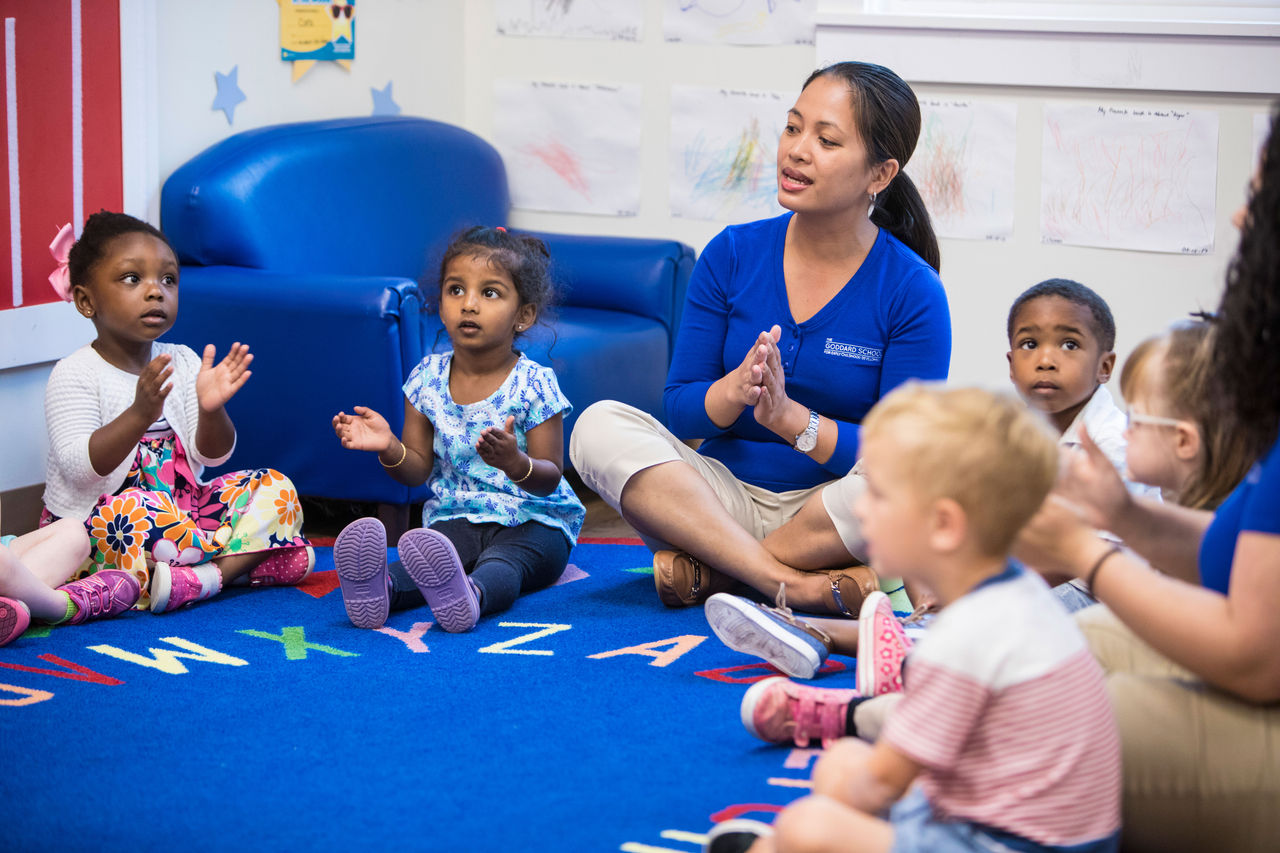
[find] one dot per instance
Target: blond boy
(1003, 735)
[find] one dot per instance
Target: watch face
(808, 439)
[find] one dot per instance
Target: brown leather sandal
(849, 587)
(682, 580)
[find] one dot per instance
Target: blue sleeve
(1254, 505)
(1262, 507)
(697, 361)
(919, 347)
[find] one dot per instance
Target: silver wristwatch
(808, 440)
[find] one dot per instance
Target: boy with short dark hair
(1062, 341)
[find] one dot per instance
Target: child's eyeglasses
(339, 11)
(1132, 417)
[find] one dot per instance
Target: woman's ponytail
(900, 210)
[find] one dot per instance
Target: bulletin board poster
(317, 30)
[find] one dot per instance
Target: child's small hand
(497, 446)
(365, 430)
(216, 385)
(1089, 480)
(1053, 541)
(153, 387)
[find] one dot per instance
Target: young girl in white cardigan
(133, 422)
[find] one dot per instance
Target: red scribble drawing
(1120, 184)
(564, 162)
(940, 175)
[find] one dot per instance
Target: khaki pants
(612, 441)
(1201, 768)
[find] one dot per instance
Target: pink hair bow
(60, 248)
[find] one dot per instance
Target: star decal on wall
(229, 94)
(383, 105)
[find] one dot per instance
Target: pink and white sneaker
(177, 586)
(778, 710)
(284, 567)
(882, 647)
(14, 619)
(108, 592)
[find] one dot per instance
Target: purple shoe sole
(430, 559)
(360, 556)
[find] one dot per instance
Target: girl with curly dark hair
(1189, 634)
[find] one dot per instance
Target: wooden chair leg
(394, 517)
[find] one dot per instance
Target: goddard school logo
(857, 352)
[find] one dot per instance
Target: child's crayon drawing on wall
(963, 167)
(614, 20)
(569, 146)
(723, 147)
(740, 21)
(1129, 178)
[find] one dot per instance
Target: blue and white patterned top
(465, 486)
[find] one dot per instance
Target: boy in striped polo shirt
(1003, 738)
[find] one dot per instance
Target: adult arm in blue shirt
(1232, 641)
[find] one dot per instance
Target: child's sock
(210, 580)
(897, 592)
(72, 610)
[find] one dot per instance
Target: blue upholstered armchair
(318, 244)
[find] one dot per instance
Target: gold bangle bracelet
(404, 451)
(527, 474)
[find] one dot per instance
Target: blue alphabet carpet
(587, 717)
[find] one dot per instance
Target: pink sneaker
(177, 586)
(108, 592)
(882, 647)
(284, 567)
(778, 710)
(14, 619)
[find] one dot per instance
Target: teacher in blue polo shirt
(793, 328)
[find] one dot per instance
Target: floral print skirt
(164, 514)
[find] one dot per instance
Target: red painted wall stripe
(44, 115)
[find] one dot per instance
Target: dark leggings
(504, 562)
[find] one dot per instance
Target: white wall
(415, 45)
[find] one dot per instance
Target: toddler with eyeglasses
(1175, 439)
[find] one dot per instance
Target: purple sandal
(360, 556)
(432, 562)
